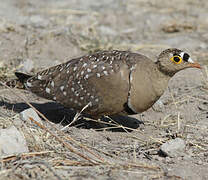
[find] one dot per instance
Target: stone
(158, 106)
(27, 65)
(12, 142)
(173, 148)
(24, 116)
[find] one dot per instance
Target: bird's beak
(195, 65)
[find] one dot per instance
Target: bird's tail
(20, 81)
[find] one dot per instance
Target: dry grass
(86, 155)
(52, 144)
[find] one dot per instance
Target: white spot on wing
(75, 68)
(86, 76)
(64, 93)
(62, 88)
(133, 67)
(39, 77)
(52, 83)
(28, 84)
(68, 64)
(85, 64)
(105, 72)
(48, 90)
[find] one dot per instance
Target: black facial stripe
(186, 57)
(176, 59)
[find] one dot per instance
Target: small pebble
(173, 148)
(26, 114)
(12, 142)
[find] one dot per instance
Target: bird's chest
(145, 90)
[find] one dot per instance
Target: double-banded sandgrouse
(109, 82)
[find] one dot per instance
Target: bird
(109, 82)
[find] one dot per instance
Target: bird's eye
(176, 59)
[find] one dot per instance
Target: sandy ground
(45, 33)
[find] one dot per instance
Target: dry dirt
(49, 32)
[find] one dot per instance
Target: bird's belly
(144, 102)
(143, 96)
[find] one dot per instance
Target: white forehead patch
(181, 54)
(189, 59)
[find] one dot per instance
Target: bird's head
(170, 61)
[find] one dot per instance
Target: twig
(38, 162)
(76, 116)
(46, 129)
(5, 171)
(23, 155)
(125, 128)
(61, 141)
(67, 162)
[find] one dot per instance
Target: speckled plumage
(109, 82)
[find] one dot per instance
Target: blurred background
(38, 34)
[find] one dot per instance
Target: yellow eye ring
(176, 59)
